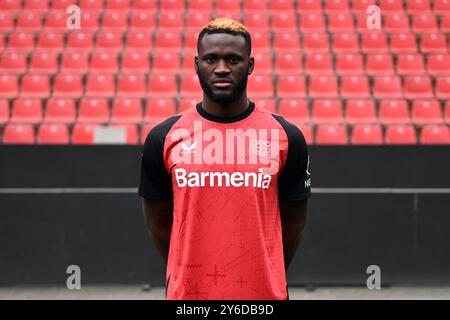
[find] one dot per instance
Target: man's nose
(222, 67)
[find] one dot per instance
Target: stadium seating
(316, 62)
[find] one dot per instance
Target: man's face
(223, 66)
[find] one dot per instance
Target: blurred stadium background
(372, 103)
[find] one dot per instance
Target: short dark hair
(226, 25)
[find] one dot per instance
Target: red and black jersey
(225, 176)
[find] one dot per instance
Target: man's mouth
(225, 83)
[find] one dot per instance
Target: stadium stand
(318, 63)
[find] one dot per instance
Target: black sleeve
(155, 182)
(294, 182)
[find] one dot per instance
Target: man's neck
(225, 109)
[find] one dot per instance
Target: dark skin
(224, 56)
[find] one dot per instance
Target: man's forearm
(161, 237)
(292, 236)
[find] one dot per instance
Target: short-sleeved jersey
(226, 177)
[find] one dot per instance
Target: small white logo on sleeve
(188, 149)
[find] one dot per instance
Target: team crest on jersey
(188, 148)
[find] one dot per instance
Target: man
(225, 183)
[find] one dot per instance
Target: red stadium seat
(90, 21)
(257, 21)
(254, 6)
(418, 6)
(410, 64)
(83, 133)
(29, 21)
(190, 40)
(62, 4)
(360, 111)
(4, 111)
(139, 41)
(424, 22)
(288, 64)
(145, 5)
(9, 86)
(394, 112)
(21, 41)
(438, 64)
(267, 104)
(315, 43)
(366, 134)
(53, 134)
(227, 13)
(348, 64)
(260, 42)
(333, 6)
(331, 134)
(126, 111)
(27, 111)
(35, 86)
(142, 21)
(260, 86)
(56, 20)
(80, 42)
(93, 5)
(170, 21)
(44, 63)
(115, 21)
(323, 87)
(355, 87)
(327, 111)
(426, 112)
(60, 111)
(443, 87)
(396, 22)
(281, 5)
(307, 133)
(36, 5)
(50, 41)
(433, 43)
(196, 20)
(103, 62)
(119, 5)
(435, 134)
(100, 85)
(200, 6)
(18, 134)
(135, 62)
(68, 85)
(166, 63)
(403, 43)
(131, 132)
(312, 22)
(6, 21)
(290, 86)
(319, 64)
(309, 6)
(391, 5)
(374, 42)
(187, 103)
(447, 112)
(111, 41)
(130, 85)
(345, 43)
(190, 86)
(294, 110)
(400, 135)
(286, 42)
(162, 86)
(74, 63)
(417, 87)
(145, 131)
(171, 5)
(441, 6)
(379, 64)
(445, 23)
(263, 61)
(284, 21)
(387, 87)
(93, 111)
(159, 109)
(188, 62)
(341, 22)
(165, 41)
(11, 5)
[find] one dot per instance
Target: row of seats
(293, 42)
(259, 86)
(320, 111)
(438, 6)
(324, 134)
(110, 20)
(103, 62)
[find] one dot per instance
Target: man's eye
(234, 60)
(209, 60)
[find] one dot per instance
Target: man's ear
(251, 65)
(196, 64)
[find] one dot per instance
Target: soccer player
(225, 184)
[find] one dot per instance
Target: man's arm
(158, 217)
(293, 219)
